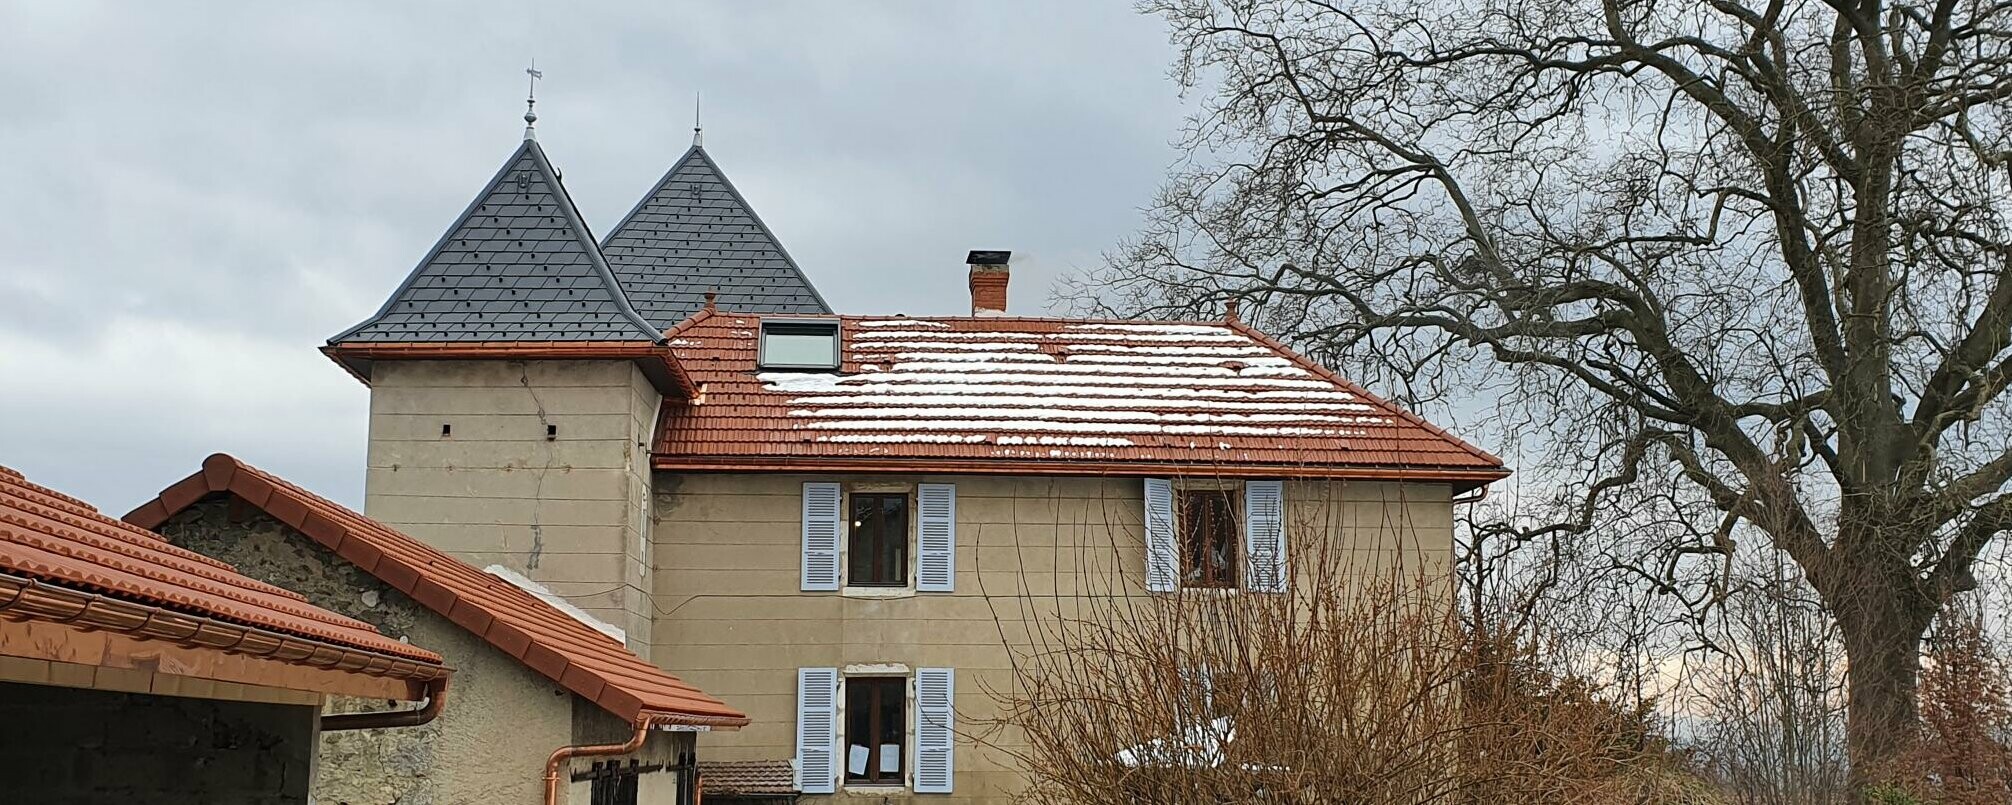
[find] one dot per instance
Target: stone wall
(734, 622)
(501, 721)
(72, 746)
(543, 468)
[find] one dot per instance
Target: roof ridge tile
(90, 551)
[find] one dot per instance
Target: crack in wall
(538, 491)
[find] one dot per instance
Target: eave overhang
(656, 361)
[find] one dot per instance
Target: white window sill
(877, 592)
(1211, 592)
(874, 790)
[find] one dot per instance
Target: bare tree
(1738, 270)
(1767, 713)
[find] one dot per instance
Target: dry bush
(1350, 688)
(1964, 753)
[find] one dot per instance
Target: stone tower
(513, 394)
(515, 388)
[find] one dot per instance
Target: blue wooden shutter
(1163, 556)
(936, 538)
(1264, 536)
(935, 729)
(816, 730)
(823, 523)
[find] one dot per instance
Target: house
(832, 520)
(549, 703)
(135, 671)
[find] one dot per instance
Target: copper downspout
(565, 753)
(436, 700)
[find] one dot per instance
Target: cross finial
(531, 102)
(698, 132)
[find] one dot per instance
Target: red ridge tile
(564, 649)
(57, 539)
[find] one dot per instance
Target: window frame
(803, 326)
(901, 542)
(883, 685)
(613, 782)
(1228, 576)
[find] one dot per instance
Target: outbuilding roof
(59, 540)
(567, 651)
(1061, 395)
(518, 265)
(747, 778)
(695, 234)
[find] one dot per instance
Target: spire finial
(698, 132)
(531, 102)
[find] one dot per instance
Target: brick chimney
(989, 272)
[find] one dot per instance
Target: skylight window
(799, 344)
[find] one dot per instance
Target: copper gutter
(565, 753)
(436, 700)
(30, 599)
(673, 461)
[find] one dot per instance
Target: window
(877, 547)
(614, 783)
(799, 345)
(1207, 523)
(876, 710)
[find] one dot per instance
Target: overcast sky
(202, 194)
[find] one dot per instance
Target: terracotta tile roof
(565, 650)
(57, 539)
(1064, 395)
(746, 777)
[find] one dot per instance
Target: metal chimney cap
(988, 257)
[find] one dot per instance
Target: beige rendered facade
(733, 620)
(544, 467)
(539, 466)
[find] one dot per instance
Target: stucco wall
(71, 746)
(501, 721)
(569, 511)
(733, 621)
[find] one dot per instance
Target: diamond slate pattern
(520, 265)
(694, 233)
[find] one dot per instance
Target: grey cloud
(250, 178)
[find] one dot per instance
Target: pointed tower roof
(694, 233)
(519, 265)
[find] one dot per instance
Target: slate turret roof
(519, 265)
(693, 234)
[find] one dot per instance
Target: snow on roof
(542, 593)
(1041, 389)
